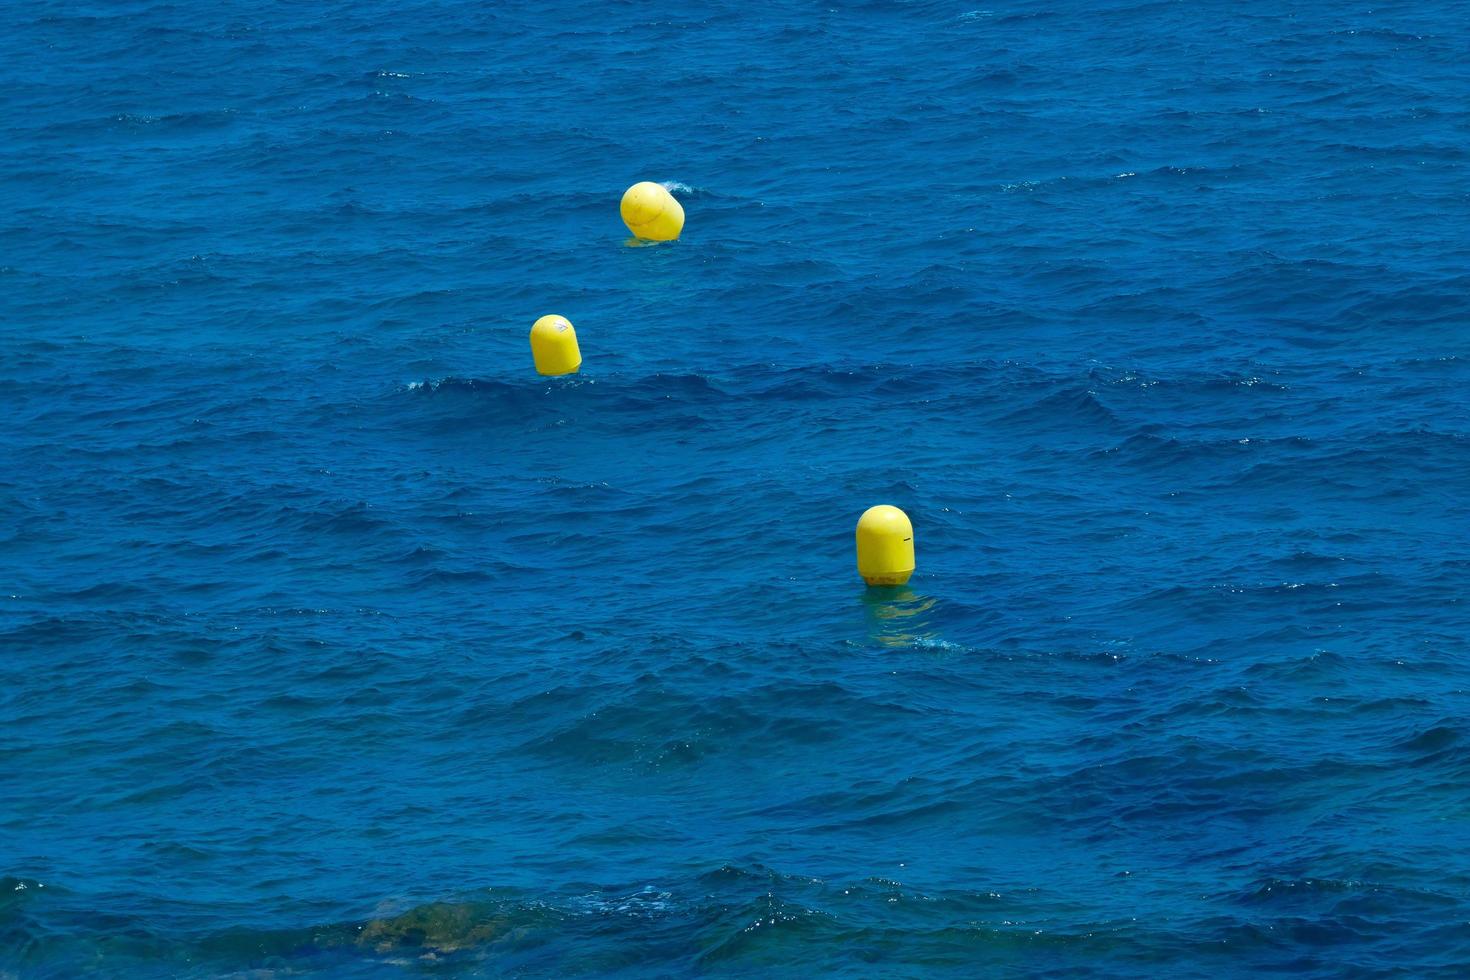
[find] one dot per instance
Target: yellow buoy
(554, 346)
(651, 212)
(885, 546)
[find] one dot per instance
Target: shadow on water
(897, 616)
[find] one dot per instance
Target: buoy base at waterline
(554, 346)
(898, 578)
(885, 546)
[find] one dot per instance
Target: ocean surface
(335, 642)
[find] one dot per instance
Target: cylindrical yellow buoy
(885, 546)
(554, 346)
(651, 212)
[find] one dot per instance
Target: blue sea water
(336, 642)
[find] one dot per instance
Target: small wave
(9, 884)
(1434, 744)
(1067, 408)
(1337, 896)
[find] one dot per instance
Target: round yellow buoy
(554, 346)
(651, 212)
(885, 546)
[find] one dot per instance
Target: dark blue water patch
(337, 642)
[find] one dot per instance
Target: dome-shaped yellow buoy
(651, 212)
(885, 546)
(554, 346)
